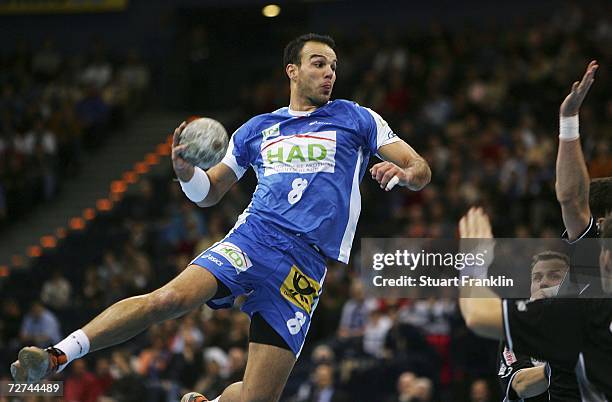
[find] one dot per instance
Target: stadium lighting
(271, 10)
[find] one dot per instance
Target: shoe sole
(194, 397)
(34, 362)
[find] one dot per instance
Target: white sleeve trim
(507, 324)
(584, 233)
(384, 134)
(230, 160)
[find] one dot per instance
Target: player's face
(605, 267)
(546, 274)
(317, 73)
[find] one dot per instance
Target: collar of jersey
(299, 113)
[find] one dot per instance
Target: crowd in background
(481, 105)
(54, 108)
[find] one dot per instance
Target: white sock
(75, 345)
(217, 399)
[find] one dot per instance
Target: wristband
(197, 188)
(568, 128)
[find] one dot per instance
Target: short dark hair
(600, 196)
(293, 50)
(549, 255)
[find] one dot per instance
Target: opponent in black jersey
(579, 200)
(526, 379)
(566, 332)
(569, 332)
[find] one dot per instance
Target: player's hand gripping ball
(206, 142)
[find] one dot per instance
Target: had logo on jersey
(232, 253)
(300, 290)
(300, 153)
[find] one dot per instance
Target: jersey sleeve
(589, 232)
(376, 130)
(237, 156)
(548, 329)
(584, 274)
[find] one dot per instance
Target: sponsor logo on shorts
(509, 357)
(238, 258)
(300, 290)
(294, 325)
(503, 369)
(300, 153)
(213, 259)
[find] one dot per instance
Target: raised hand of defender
(573, 101)
(388, 175)
(183, 169)
(475, 225)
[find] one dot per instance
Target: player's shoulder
(346, 104)
(357, 111)
(256, 124)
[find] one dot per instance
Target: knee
(166, 303)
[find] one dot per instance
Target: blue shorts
(280, 274)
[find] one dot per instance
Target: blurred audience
(54, 107)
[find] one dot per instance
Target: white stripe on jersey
(230, 160)
(384, 134)
(354, 211)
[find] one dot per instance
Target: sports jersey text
(300, 153)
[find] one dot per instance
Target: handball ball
(206, 141)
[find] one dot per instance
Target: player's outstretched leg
(118, 323)
(268, 368)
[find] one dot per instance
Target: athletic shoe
(34, 363)
(193, 397)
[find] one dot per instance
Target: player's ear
(292, 71)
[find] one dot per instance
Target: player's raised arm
(482, 313)
(572, 185)
(402, 165)
(205, 188)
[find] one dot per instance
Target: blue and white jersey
(308, 167)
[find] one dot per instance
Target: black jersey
(562, 384)
(510, 364)
(576, 333)
(583, 279)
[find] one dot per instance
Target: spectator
(40, 327)
(405, 388)
(322, 388)
(375, 332)
(354, 317)
(81, 385)
(479, 391)
(57, 291)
